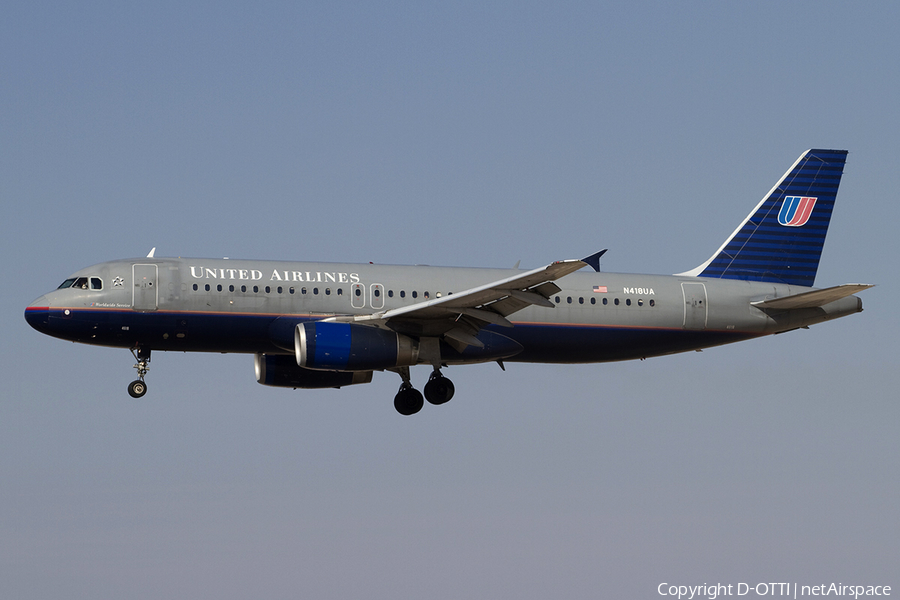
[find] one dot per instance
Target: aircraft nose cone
(38, 313)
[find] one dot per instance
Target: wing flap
(463, 337)
(488, 316)
(814, 298)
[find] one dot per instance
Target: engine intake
(350, 347)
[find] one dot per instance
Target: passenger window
(268, 289)
(340, 291)
(580, 300)
(616, 301)
(244, 289)
(402, 293)
(230, 288)
(653, 303)
(415, 294)
(219, 287)
(390, 293)
(207, 287)
(327, 291)
(628, 302)
(426, 295)
(593, 301)
(195, 287)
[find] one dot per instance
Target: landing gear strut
(138, 387)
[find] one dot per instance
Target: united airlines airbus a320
(327, 325)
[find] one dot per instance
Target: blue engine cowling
(281, 370)
(351, 347)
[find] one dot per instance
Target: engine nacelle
(350, 347)
(281, 370)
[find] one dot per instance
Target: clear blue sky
(463, 133)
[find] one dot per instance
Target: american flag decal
(599, 289)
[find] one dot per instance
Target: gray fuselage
(248, 306)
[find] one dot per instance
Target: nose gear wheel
(138, 387)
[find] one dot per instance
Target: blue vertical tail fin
(781, 240)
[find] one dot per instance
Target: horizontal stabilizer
(814, 298)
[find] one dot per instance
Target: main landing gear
(409, 400)
(439, 389)
(138, 387)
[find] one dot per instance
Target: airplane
(316, 325)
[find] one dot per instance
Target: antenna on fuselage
(152, 252)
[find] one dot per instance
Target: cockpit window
(83, 283)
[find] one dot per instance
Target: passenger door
(695, 309)
(146, 294)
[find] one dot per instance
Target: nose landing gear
(138, 387)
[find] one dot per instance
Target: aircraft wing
(460, 315)
(814, 298)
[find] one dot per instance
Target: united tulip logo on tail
(795, 210)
